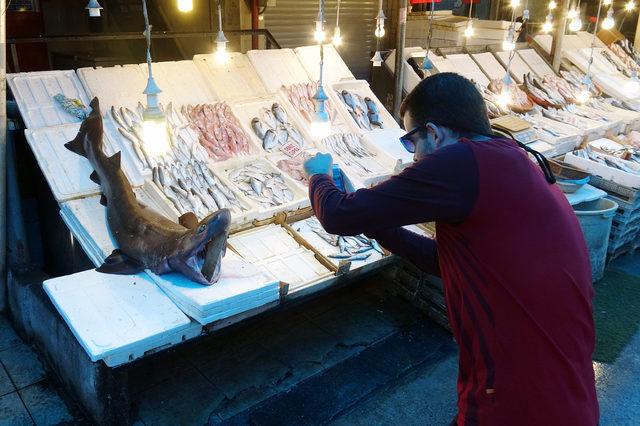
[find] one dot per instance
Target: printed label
(291, 149)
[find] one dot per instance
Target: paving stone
(359, 324)
(186, 399)
(8, 337)
(45, 405)
(22, 364)
(13, 411)
(5, 383)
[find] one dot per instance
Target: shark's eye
(201, 229)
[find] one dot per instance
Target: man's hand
(318, 164)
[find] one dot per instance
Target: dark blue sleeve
(442, 187)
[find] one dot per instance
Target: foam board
(535, 62)
(468, 68)
(490, 65)
(34, 92)
(231, 80)
(518, 67)
(120, 85)
(388, 141)
(262, 243)
(300, 269)
(289, 69)
(181, 83)
(335, 69)
(118, 318)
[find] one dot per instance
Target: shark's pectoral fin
(94, 177)
(189, 220)
(76, 145)
(119, 263)
(103, 200)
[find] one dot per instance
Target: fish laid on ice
(270, 140)
(146, 239)
(279, 113)
(258, 128)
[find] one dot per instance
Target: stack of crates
(625, 230)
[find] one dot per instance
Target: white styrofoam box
(543, 148)
(606, 144)
(262, 243)
(340, 122)
(289, 69)
(562, 133)
(249, 109)
(443, 64)
(117, 318)
(490, 65)
(518, 67)
(600, 62)
(590, 128)
(241, 287)
(611, 120)
(300, 197)
(388, 141)
(630, 180)
(411, 78)
(630, 118)
(614, 85)
(300, 269)
(149, 195)
(587, 38)
(120, 85)
(585, 194)
(302, 228)
(360, 87)
(67, 173)
(544, 41)
(408, 52)
(466, 67)
(133, 167)
(535, 62)
(380, 166)
(181, 83)
(335, 69)
(232, 80)
(34, 92)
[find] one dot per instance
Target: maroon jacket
(516, 274)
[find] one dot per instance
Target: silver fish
(294, 134)
(282, 135)
(256, 185)
(258, 128)
(269, 118)
(280, 113)
(219, 197)
(118, 119)
(270, 140)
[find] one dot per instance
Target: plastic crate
(631, 196)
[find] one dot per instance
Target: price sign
(292, 149)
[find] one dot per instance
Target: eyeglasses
(410, 139)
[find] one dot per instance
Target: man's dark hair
(450, 100)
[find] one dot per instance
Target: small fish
(257, 127)
(270, 140)
(219, 197)
(282, 135)
(294, 134)
(269, 119)
(256, 185)
(118, 119)
(279, 113)
(349, 99)
(373, 113)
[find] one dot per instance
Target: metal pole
(636, 41)
(3, 155)
(558, 35)
(399, 74)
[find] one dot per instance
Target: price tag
(291, 149)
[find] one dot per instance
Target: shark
(146, 240)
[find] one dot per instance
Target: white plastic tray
(300, 198)
(490, 65)
(388, 141)
(241, 287)
(67, 173)
(256, 245)
(607, 173)
(247, 110)
(34, 92)
(289, 69)
(411, 78)
(361, 87)
(117, 318)
(518, 67)
(335, 69)
(300, 269)
(181, 82)
(236, 79)
(535, 62)
(120, 85)
(466, 67)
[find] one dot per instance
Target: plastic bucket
(595, 219)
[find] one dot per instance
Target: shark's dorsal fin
(114, 161)
(189, 220)
(103, 200)
(94, 177)
(120, 264)
(77, 145)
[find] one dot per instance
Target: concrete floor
(358, 356)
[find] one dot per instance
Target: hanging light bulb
(572, 13)
(552, 5)
(318, 34)
(575, 24)
(336, 40)
(548, 25)
(515, 3)
(468, 31)
(630, 6)
(94, 8)
(608, 22)
(221, 55)
(509, 43)
(155, 131)
(585, 94)
(377, 59)
(607, 2)
(379, 31)
(321, 124)
(427, 65)
(504, 98)
(185, 5)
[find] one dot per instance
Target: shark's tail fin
(77, 144)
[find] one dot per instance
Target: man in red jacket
(509, 249)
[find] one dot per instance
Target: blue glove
(318, 164)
